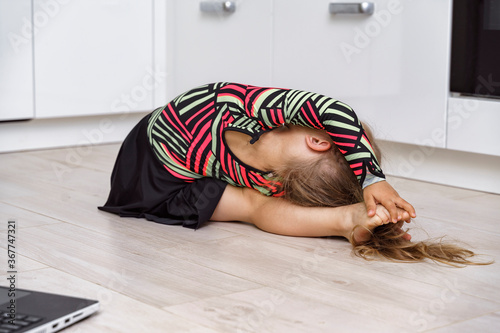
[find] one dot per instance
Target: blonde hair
(330, 182)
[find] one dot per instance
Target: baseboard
(442, 166)
(65, 132)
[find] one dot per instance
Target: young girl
(290, 162)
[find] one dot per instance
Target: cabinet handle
(218, 6)
(365, 8)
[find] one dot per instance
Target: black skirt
(141, 187)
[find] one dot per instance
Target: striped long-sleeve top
(187, 134)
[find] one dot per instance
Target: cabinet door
(391, 66)
(473, 125)
(16, 60)
(210, 44)
(93, 57)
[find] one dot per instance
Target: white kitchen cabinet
(16, 60)
(473, 125)
(210, 45)
(391, 66)
(93, 57)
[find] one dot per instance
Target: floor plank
(123, 264)
(486, 323)
(230, 277)
(118, 312)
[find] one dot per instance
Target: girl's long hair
(330, 182)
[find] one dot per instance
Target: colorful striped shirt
(187, 134)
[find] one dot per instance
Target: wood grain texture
(232, 277)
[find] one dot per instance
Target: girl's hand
(383, 193)
(363, 227)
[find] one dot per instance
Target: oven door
(475, 53)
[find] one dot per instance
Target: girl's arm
(279, 216)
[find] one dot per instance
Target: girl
(290, 162)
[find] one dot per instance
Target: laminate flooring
(232, 277)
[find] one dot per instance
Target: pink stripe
(247, 101)
(176, 127)
(356, 165)
(258, 96)
(273, 116)
(202, 120)
(352, 137)
(315, 118)
(244, 175)
(255, 180)
(232, 96)
(258, 179)
(179, 122)
(178, 175)
(236, 174)
(279, 194)
(366, 138)
(221, 142)
(175, 174)
(230, 166)
(280, 116)
(202, 110)
(357, 172)
(200, 152)
(195, 142)
(305, 114)
(235, 87)
(172, 156)
(205, 167)
(222, 152)
(344, 144)
(248, 98)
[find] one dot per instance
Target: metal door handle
(218, 6)
(366, 8)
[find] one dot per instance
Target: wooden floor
(231, 277)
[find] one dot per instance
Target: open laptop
(37, 312)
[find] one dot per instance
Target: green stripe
(171, 135)
(152, 122)
(240, 177)
(209, 165)
(257, 105)
(345, 105)
(265, 118)
(275, 100)
(217, 169)
(230, 99)
(170, 139)
(165, 159)
(215, 127)
(367, 145)
(324, 106)
(190, 107)
(356, 156)
(189, 94)
(340, 113)
(296, 98)
(294, 104)
(339, 124)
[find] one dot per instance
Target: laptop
(35, 312)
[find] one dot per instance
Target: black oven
(475, 48)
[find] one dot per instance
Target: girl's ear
(317, 143)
